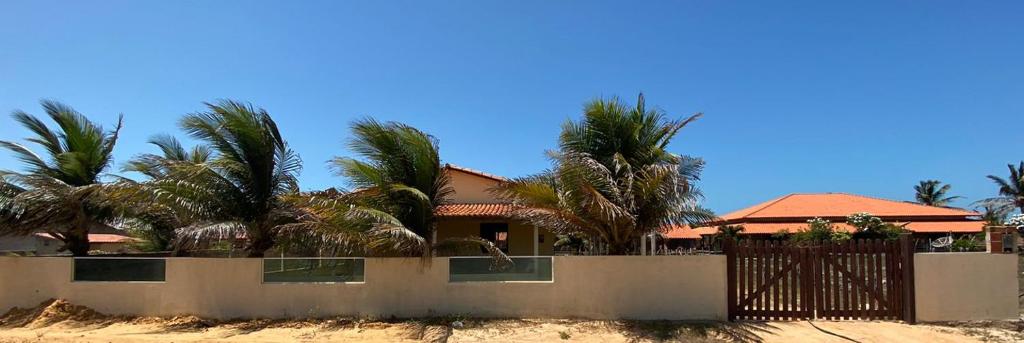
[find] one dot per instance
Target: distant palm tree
(993, 215)
(732, 231)
(156, 166)
(400, 182)
(613, 179)
(933, 193)
(243, 190)
(60, 194)
(1011, 190)
(157, 223)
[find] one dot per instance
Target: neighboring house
(791, 212)
(44, 244)
(474, 211)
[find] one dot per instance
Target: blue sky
(800, 96)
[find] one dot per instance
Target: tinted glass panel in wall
(469, 269)
(313, 270)
(119, 269)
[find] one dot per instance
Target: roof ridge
(766, 205)
(910, 203)
(475, 172)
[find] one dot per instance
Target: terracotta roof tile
(685, 232)
(840, 205)
(474, 210)
(99, 238)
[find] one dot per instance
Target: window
(497, 233)
(119, 269)
(485, 269)
(313, 270)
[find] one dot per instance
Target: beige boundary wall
(596, 287)
(966, 286)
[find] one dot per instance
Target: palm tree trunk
(620, 248)
(77, 242)
(259, 245)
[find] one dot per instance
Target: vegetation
(729, 231)
(60, 193)
(933, 193)
(157, 223)
(994, 215)
(242, 191)
(866, 227)
(613, 180)
(399, 183)
(967, 243)
(1011, 190)
(869, 226)
(819, 229)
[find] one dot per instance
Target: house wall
(965, 286)
(17, 243)
(596, 287)
(520, 234)
(471, 189)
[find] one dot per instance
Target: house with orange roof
(473, 211)
(790, 214)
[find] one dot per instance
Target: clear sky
(799, 96)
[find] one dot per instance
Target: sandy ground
(59, 321)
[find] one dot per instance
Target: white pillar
(643, 246)
(654, 245)
(536, 242)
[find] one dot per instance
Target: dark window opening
(497, 233)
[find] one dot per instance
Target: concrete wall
(966, 286)
(598, 287)
(472, 189)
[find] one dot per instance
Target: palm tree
(60, 194)
(993, 215)
(157, 222)
(1011, 190)
(933, 193)
(613, 179)
(399, 182)
(156, 166)
(730, 231)
(243, 190)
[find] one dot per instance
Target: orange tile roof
(99, 238)
(840, 205)
(474, 210)
(790, 213)
(685, 232)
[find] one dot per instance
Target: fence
(949, 286)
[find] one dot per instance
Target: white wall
(966, 286)
(598, 287)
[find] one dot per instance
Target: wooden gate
(855, 279)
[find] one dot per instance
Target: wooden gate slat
(827, 281)
(879, 282)
(819, 291)
(750, 277)
(869, 257)
(773, 289)
(759, 265)
(795, 283)
(858, 273)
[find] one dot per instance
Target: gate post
(907, 256)
(729, 247)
